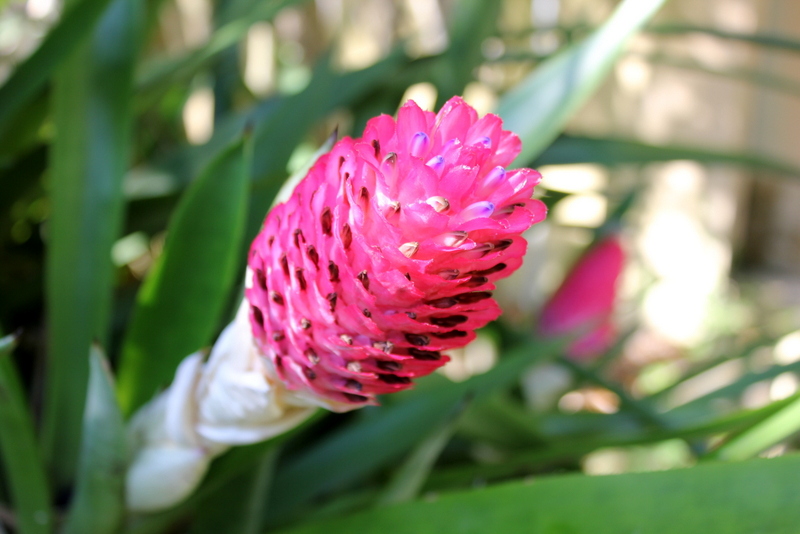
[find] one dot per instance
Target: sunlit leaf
(762, 435)
(538, 108)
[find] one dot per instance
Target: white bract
(232, 399)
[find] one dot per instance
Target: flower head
(584, 302)
(386, 253)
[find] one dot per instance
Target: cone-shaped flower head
(387, 252)
(584, 302)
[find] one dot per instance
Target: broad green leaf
(370, 443)
(739, 498)
(92, 115)
(761, 39)
(99, 502)
(181, 303)
(409, 478)
(539, 107)
(762, 435)
(611, 151)
(31, 75)
(19, 453)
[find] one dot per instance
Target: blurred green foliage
(96, 165)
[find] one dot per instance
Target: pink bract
(584, 303)
(387, 252)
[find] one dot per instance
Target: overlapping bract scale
(387, 252)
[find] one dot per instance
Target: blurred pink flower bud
(584, 303)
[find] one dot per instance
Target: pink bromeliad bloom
(584, 302)
(387, 252)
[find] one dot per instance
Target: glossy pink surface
(387, 252)
(584, 302)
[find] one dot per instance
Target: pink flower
(387, 252)
(584, 302)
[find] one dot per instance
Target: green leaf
(572, 440)
(760, 39)
(90, 153)
(473, 21)
(181, 303)
(163, 73)
(611, 151)
(704, 406)
(539, 107)
(762, 435)
(273, 140)
(239, 508)
(409, 478)
(744, 498)
(31, 75)
(98, 504)
(370, 443)
(19, 453)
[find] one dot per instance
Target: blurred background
(688, 151)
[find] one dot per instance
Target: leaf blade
(752, 496)
(614, 151)
(188, 286)
(93, 113)
(98, 505)
(18, 450)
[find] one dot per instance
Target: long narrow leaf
(18, 451)
(409, 478)
(611, 151)
(98, 505)
(761, 39)
(539, 107)
(182, 300)
(754, 496)
(763, 435)
(90, 154)
(599, 432)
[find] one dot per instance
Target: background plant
(121, 123)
